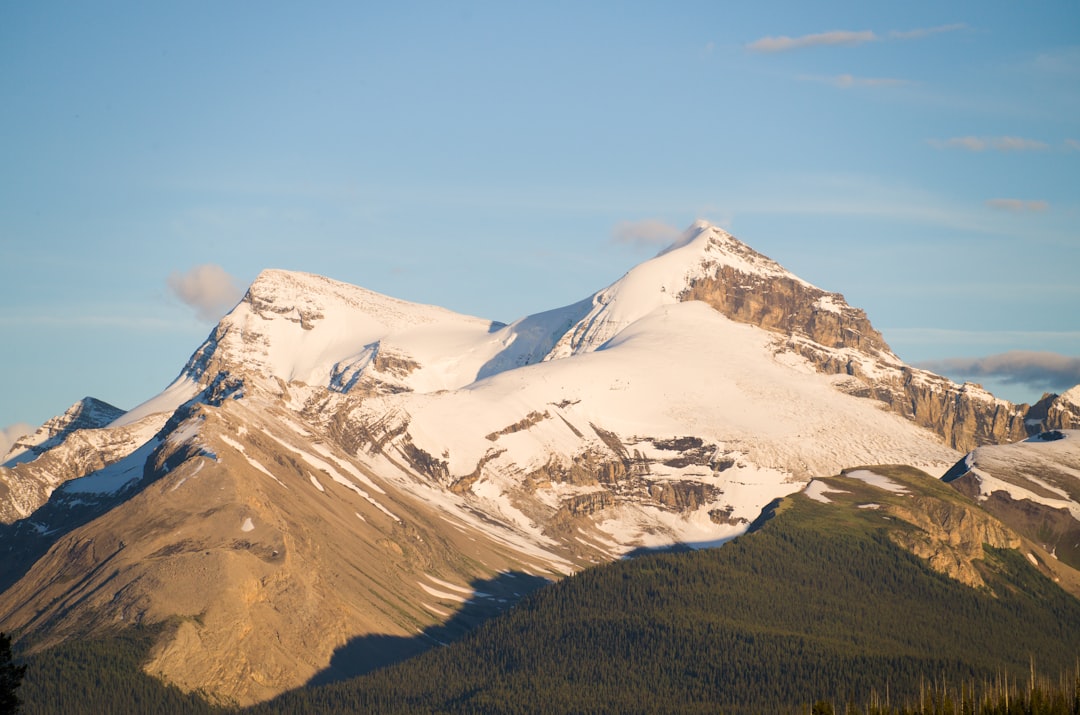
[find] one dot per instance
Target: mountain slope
(65, 447)
(333, 465)
(823, 601)
(1034, 486)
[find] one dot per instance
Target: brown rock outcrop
(787, 305)
(839, 340)
(950, 536)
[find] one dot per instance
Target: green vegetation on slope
(819, 603)
(103, 675)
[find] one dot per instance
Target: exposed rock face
(789, 306)
(950, 536)
(840, 340)
(1033, 486)
(87, 413)
(1064, 411)
(66, 447)
(965, 415)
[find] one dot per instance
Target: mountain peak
(87, 413)
(709, 264)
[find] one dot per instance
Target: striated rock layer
(839, 339)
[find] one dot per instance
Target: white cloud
(978, 144)
(1072, 145)
(1018, 205)
(648, 232)
(847, 38)
(833, 37)
(1041, 370)
(9, 434)
(207, 288)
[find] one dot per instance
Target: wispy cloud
(847, 81)
(1040, 370)
(9, 434)
(926, 31)
(1018, 205)
(207, 288)
(1063, 62)
(848, 38)
(1072, 145)
(648, 232)
(979, 144)
(833, 37)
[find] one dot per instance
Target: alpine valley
(338, 480)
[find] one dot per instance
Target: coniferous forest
(810, 613)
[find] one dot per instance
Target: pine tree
(11, 676)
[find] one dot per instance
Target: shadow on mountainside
(533, 337)
(364, 654)
(25, 541)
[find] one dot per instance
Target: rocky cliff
(1032, 485)
(1063, 412)
(66, 447)
(950, 536)
(839, 340)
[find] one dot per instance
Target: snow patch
(818, 489)
(447, 584)
(253, 462)
(115, 476)
(176, 394)
(443, 594)
(877, 480)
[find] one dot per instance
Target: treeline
(103, 675)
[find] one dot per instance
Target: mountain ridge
(332, 453)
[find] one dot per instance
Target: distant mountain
(1033, 485)
(333, 466)
(25, 483)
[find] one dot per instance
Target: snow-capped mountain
(1033, 485)
(66, 446)
(332, 462)
(1063, 412)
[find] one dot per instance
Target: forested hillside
(817, 604)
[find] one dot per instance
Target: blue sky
(505, 158)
